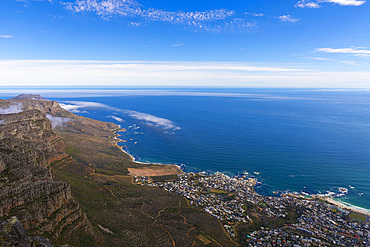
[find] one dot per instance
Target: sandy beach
(348, 207)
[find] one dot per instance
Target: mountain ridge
(29, 96)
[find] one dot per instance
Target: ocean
(303, 140)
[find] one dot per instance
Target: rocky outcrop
(28, 145)
(28, 138)
(12, 233)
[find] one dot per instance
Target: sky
(264, 43)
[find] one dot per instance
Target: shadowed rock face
(12, 233)
(28, 145)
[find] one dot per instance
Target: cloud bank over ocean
(146, 118)
(152, 120)
(75, 105)
(169, 74)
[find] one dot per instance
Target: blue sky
(265, 43)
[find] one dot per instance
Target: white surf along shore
(118, 140)
(348, 206)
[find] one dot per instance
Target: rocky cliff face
(27, 137)
(28, 145)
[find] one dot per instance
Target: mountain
(28, 96)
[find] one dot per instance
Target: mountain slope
(58, 167)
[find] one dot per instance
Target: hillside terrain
(64, 177)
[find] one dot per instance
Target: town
(285, 220)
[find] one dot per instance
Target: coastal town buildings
(285, 220)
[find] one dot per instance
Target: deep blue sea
(290, 139)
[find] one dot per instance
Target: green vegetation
(134, 215)
(165, 178)
(111, 172)
(357, 216)
(110, 183)
(115, 203)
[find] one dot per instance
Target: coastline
(118, 140)
(348, 206)
(133, 172)
(150, 169)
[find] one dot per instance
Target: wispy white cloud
(118, 119)
(316, 3)
(57, 121)
(346, 2)
(236, 24)
(109, 8)
(186, 17)
(232, 25)
(356, 51)
(27, 2)
(134, 24)
(178, 44)
(130, 8)
(321, 58)
(255, 14)
(137, 15)
(348, 62)
(288, 18)
(334, 60)
(13, 108)
(6, 36)
(307, 4)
